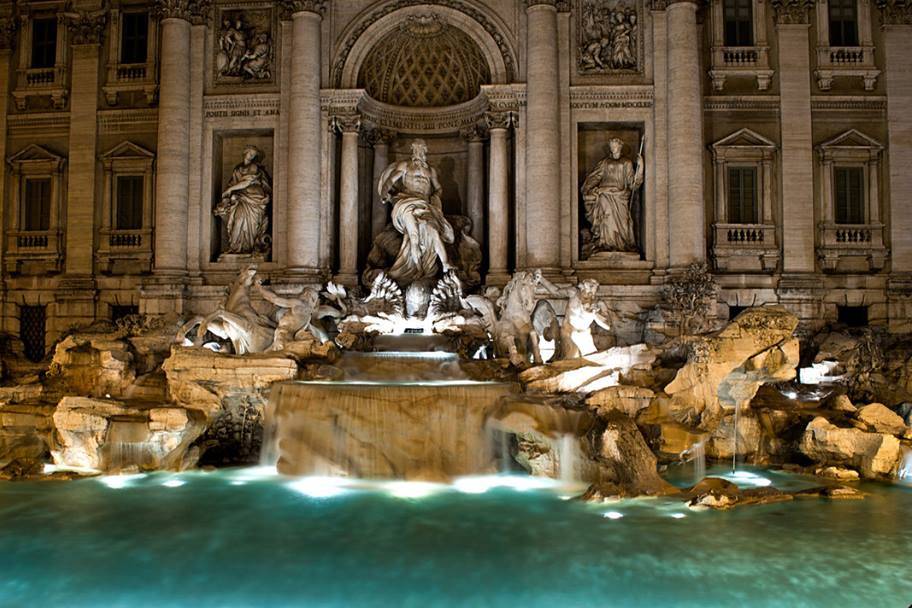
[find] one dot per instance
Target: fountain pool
(246, 537)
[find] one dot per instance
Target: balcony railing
(838, 61)
(130, 72)
(840, 244)
(739, 56)
(745, 247)
(745, 235)
(740, 61)
(123, 239)
(32, 241)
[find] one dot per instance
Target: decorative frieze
(86, 27)
(792, 12)
(244, 46)
(608, 37)
(121, 122)
(241, 106)
(588, 98)
(895, 12)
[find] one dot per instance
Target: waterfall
(124, 454)
(698, 453)
(905, 467)
(735, 437)
(568, 457)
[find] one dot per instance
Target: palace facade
(151, 150)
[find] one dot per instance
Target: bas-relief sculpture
(608, 196)
(244, 46)
(244, 206)
(608, 36)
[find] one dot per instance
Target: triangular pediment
(853, 138)
(127, 149)
(744, 138)
(34, 152)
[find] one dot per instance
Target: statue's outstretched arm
(276, 299)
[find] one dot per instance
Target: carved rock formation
(874, 455)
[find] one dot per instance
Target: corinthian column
(542, 126)
(7, 42)
(499, 124)
(172, 179)
(350, 127)
(685, 136)
(304, 153)
(475, 135)
(380, 139)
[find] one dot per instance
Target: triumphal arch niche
(427, 84)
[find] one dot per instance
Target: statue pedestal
(241, 259)
(615, 268)
(616, 259)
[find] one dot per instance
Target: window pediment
(127, 150)
(743, 144)
(33, 153)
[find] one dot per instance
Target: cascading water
(698, 454)
(735, 437)
(392, 415)
(905, 466)
(568, 457)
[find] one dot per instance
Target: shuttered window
(843, 22)
(36, 212)
(742, 195)
(129, 204)
(739, 22)
(44, 43)
(849, 195)
(134, 37)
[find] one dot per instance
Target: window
(121, 311)
(32, 321)
(843, 23)
(734, 311)
(742, 195)
(134, 38)
(129, 205)
(852, 316)
(739, 22)
(44, 43)
(36, 213)
(849, 190)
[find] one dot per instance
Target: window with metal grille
(44, 43)
(134, 37)
(36, 212)
(119, 311)
(737, 15)
(742, 195)
(129, 204)
(853, 316)
(843, 22)
(32, 322)
(850, 200)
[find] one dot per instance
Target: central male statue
(413, 188)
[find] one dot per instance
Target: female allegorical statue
(606, 195)
(413, 187)
(244, 203)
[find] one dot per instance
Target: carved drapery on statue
(421, 242)
(608, 196)
(245, 204)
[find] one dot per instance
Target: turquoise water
(239, 538)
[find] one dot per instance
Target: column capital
(199, 11)
(668, 3)
(346, 123)
(8, 27)
(550, 3)
(378, 136)
(292, 7)
(500, 120)
(895, 12)
(86, 27)
(172, 9)
(792, 12)
(474, 133)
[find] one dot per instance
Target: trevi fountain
(394, 375)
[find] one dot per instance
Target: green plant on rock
(691, 295)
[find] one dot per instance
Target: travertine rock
(727, 369)
(24, 436)
(629, 400)
(842, 403)
(93, 364)
(594, 372)
(878, 418)
(109, 435)
(721, 444)
(872, 454)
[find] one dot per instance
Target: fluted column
(304, 153)
(687, 242)
(7, 42)
(172, 179)
(499, 124)
(349, 127)
(542, 127)
(380, 139)
(475, 179)
(792, 29)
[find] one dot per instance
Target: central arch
(374, 27)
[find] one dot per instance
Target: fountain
(905, 467)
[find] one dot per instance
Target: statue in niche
(413, 189)
(607, 194)
(244, 206)
(244, 51)
(608, 36)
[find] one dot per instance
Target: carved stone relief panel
(609, 37)
(242, 193)
(610, 193)
(244, 46)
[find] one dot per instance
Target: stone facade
(122, 123)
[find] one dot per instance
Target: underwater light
(613, 515)
(318, 487)
(482, 483)
(117, 482)
(748, 478)
(174, 483)
(413, 489)
(678, 516)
